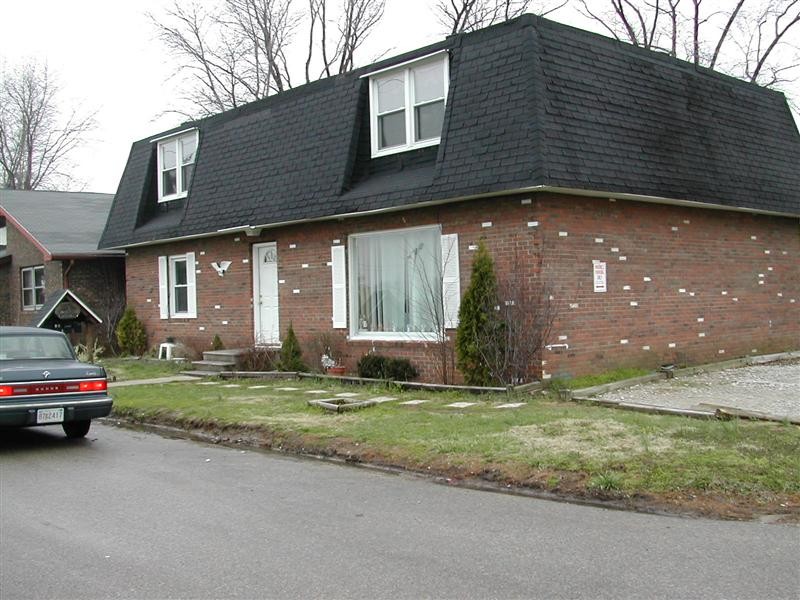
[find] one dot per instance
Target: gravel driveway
(770, 388)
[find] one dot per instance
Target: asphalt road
(126, 514)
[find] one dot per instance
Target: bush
(131, 336)
(260, 359)
(216, 343)
(375, 366)
(291, 354)
(478, 334)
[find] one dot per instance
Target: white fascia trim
(512, 192)
(410, 61)
(76, 299)
(172, 135)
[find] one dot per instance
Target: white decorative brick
(236, 239)
(701, 334)
(149, 300)
(623, 258)
(720, 351)
(561, 338)
(645, 347)
(634, 304)
(486, 224)
(525, 201)
(672, 344)
(245, 260)
(201, 328)
(562, 234)
(646, 279)
(533, 223)
(281, 281)
(473, 246)
(217, 307)
(598, 240)
(295, 291)
(674, 229)
(766, 251)
(724, 292)
(292, 246)
(623, 342)
(224, 322)
(574, 305)
(626, 287)
(337, 241)
(686, 221)
(615, 249)
(753, 237)
(304, 266)
(700, 319)
(682, 290)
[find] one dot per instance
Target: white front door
(265, 293)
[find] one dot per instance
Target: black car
(43, 383)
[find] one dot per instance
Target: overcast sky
(107, 58)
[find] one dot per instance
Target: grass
(544, 443)
(586, 381)
(128, 369)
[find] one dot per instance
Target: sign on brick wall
(599, 270)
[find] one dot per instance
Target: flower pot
(337, 370)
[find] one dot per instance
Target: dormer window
(407, 105)
(176, 156)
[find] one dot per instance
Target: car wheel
(76, 429)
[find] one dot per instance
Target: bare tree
(36, 135)
(521, 325)
(459, 16)
(689, 29)
(238, 53)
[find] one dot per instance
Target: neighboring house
(656, 201)
(51, 272)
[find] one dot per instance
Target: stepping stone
(380, 399)
(461, 404)
(232, 385)
(347, 395)
(287, 389)
(413, 402)
(511, 405)
(317, 392)
(208, 383)
(257, 387)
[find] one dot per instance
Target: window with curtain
(396, 282)
(176, 158)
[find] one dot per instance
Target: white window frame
(3, 233)
(167, 286)
(391, 336)
(409, 106)
(33, 289)
(175, 139)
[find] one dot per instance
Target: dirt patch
(542, 483)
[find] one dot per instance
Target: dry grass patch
(596, 439)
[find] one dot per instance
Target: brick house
(656, 201)
(51, 271)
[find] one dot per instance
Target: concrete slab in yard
(347, 395)
(461, 404)
(413, 402)
(317, 392)
(287, 389)
(381, 399)
(511, 405)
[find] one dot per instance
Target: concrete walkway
(773, 389)
(169, 379)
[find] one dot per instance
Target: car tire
(76, 429)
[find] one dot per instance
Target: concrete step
(201, 374)
(214, 365)
(232, 356)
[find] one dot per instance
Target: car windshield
(16, 347)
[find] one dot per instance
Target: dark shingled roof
(65, 223)
(531, 103)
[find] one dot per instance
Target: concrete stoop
(216, 361)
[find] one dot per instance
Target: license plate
(49, 415)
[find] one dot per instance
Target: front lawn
(129, 369)
(547, 444)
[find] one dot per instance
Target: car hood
(33, 370)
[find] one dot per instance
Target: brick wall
(652, 253)
(100, 282)
(25, 254)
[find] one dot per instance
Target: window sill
(182, 316)
(173, 197)
(406, 148)
(393, 337)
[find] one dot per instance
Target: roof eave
(255, 230)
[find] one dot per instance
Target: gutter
(255, 230)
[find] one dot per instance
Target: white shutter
(163, 289)
(451, 280)
(339, 285)
(191, 293)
